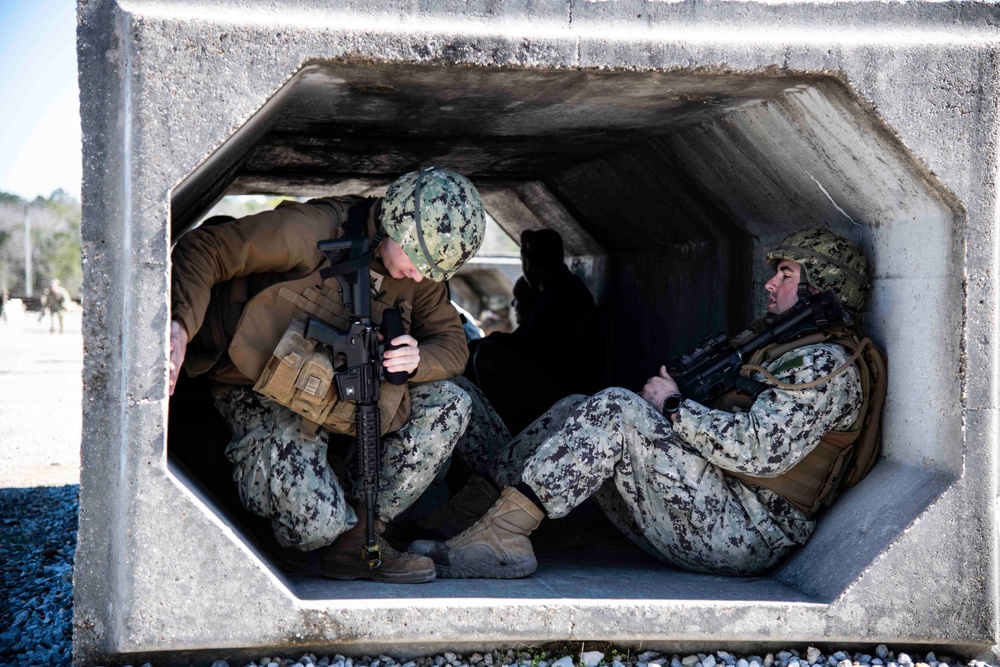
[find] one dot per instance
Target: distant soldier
(55, 300)
(4, 298)
(469, 325)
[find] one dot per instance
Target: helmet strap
(416, 215)
(804, 282)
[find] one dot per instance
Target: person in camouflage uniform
(54, 300)
(427, 226)
(664, 478)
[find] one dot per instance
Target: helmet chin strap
(803, 282)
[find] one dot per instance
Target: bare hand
(405, 358)
(178, 348)
(659, 387)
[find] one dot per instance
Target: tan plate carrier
(842, 458)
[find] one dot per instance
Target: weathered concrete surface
(682, 139)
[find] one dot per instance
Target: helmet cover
(828, 261)
(436, 216)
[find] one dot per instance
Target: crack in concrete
(835, 205)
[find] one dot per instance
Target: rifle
(712, 368)
(360, 370)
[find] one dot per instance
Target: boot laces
(477, 526)
(386, 548)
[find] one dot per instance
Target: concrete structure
(670, 142)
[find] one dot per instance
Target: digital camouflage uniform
(486, 434)
(283, 474)
(670, 491)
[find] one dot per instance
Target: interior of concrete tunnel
(667, 187)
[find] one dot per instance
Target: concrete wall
(672, 143)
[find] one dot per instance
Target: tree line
(55, 247)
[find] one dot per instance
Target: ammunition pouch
(300, 373)
(299, 376)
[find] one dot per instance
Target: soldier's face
(397, 262)
(783, 288)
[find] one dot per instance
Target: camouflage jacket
(284, 241)
(779, 429)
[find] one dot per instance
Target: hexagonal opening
(667, 187)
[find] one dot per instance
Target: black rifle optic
(713, 367)
(357, 356)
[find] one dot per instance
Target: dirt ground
(41, 392)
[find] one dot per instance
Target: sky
(39, 98)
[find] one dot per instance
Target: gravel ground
(39, 472)
(37, 542)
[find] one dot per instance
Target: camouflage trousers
(616, 447)
(284, 475)
(486, 434)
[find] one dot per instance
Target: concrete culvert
(668, 180)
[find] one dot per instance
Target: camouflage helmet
(436, 217)
(828, 261)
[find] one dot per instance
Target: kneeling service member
(726, 489)
(241, 292)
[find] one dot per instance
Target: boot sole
(485, 571)
(381, 578)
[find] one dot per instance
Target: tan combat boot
(343, 559)
(496, 546)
